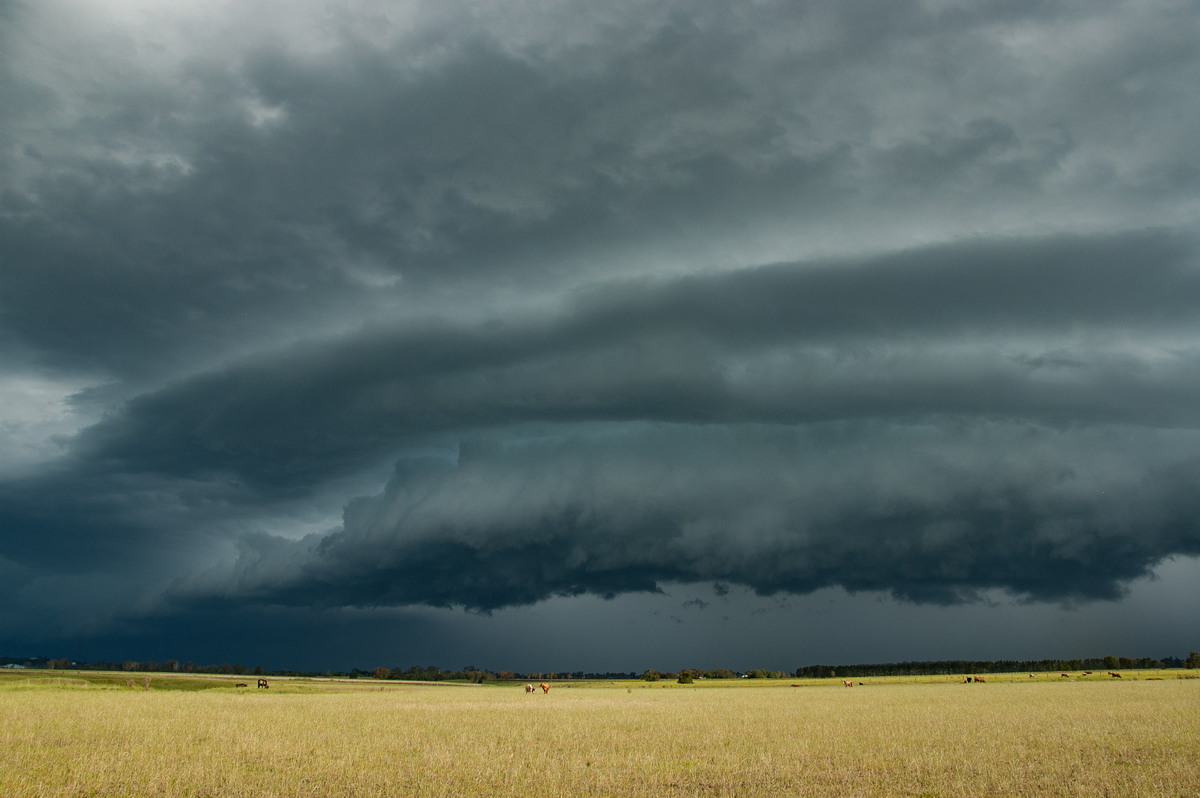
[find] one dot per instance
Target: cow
(529, 688)
(1031, 676)
(241, 684)
(1114, 674)
(263, 684)
(1087, 673)
(968, 680)
(545, 688)
(847, 683)
(980, 679)
(1064, 676)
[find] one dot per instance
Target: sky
(563, 335)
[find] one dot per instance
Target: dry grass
(1042, 738)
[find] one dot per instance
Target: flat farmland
(934, 737)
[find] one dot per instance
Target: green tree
(651, 675)
(381, 672)
(685, 677)
(1193, 660)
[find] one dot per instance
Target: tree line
(942, 667)
(473, 673)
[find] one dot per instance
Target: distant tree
(1111, 662)
(685, 677)
(381, 672)
(720, 673)
(1193, 660)
(651, 675)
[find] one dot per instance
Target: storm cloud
(392, 306)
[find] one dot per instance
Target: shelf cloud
(424, 307)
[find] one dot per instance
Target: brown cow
(545, 688)
(263, 683)
(980, 679)
(1065, 675)
(847, 683)
(241, 684)
(1114, 674)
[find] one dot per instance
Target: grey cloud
(925, 513)
(969, 329)
(676, 265)
(159, 227)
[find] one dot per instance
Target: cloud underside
(926, 514)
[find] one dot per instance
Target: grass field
(63, 735)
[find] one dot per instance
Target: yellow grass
(1041, 738)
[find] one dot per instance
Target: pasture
(64, 734)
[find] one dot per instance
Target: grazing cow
(980, 679)
(545, 688)
(1114, 674)
(529, 688)
(968, 680)
(241, 684)
(263, 684)
(1087, 673)
(1064, 676)
(847, 683)
(1031, 676)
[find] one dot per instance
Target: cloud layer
(896, 297)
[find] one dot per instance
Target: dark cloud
(929, 513)
(968, 329)
(884, 297)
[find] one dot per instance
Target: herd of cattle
(529, 688)
(971, 679)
